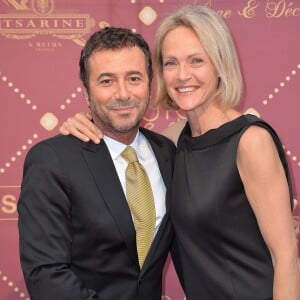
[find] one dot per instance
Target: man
(77, 229)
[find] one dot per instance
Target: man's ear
(86, 97)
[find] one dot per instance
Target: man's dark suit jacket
(77, 237)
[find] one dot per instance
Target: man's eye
(135, 79)
(105, 81)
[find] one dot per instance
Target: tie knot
(129, 154)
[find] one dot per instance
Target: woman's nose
(183, 72)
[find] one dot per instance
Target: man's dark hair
(112, 38)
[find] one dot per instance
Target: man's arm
(45, 229)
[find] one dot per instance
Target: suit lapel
(106, 178)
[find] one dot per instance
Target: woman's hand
(82, 127)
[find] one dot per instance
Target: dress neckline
(212, 136)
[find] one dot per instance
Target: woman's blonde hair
(218, 44)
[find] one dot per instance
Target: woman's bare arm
(267, 190)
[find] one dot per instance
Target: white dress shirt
(148, 160)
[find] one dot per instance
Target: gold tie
(141, 202)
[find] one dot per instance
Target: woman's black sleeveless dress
(219, 252)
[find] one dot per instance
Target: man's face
(118, 89)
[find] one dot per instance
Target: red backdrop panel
(40, 42)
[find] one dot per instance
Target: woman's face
(189, 75)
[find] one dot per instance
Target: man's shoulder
(59, 143)
(156, 137)
(161, 145)
(59, 139)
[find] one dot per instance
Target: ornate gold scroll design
(39, 18)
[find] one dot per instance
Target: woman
(232, 196)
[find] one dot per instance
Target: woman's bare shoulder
(172, 132)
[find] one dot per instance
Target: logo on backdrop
(29, 19)
(8, 202)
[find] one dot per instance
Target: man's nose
(123, 91)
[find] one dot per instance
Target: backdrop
(40, 42)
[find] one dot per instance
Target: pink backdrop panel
(40, 43)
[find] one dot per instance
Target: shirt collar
(115, 148)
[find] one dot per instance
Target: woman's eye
(196, 60)
(169, 64)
